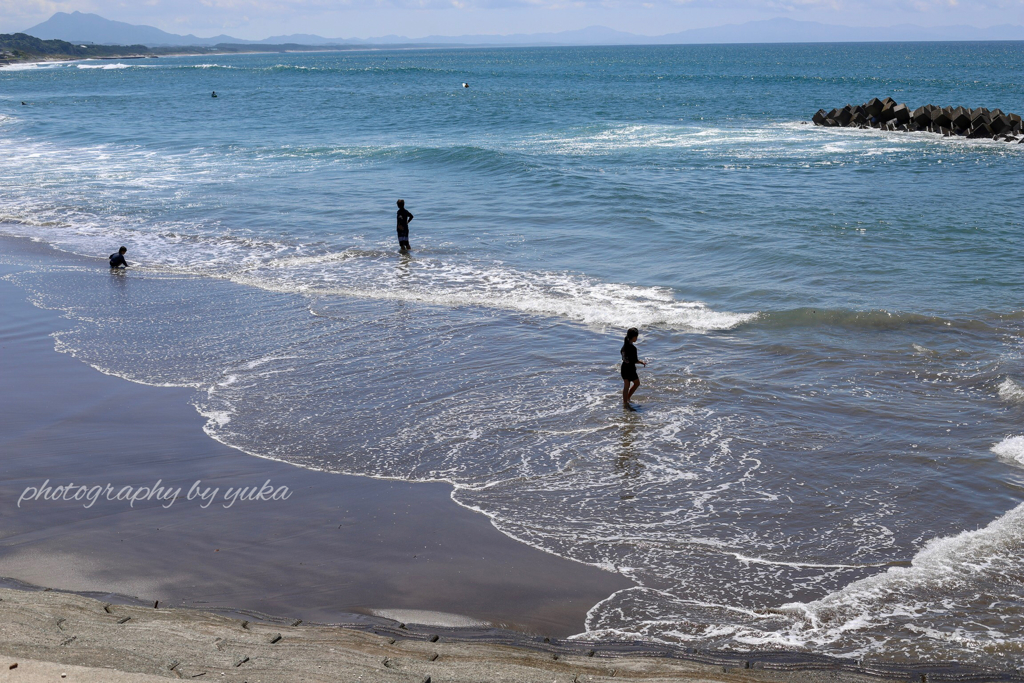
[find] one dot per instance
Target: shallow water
(829, 448)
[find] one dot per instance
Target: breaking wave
(1011, 391)
(1011, 448)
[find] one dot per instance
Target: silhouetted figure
(403, 226)
(213, 94)
(117, 260)
(628, 370)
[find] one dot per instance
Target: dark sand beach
(338, 544)
(50, 634)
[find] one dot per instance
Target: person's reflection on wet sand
(627, 463)
(119, 283)
(402, 270)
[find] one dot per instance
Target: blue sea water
(829, 450)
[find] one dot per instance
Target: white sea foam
(1011, 448)
(74, 64)
(220, 418)
(111, 67)
(1011, 391)
(741, 142)
(944, 569)
(374, 274)
(453, 283)
(32, 66)
(637, 136)
(597, 304)
(782, 563)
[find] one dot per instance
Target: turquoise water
(829, 450)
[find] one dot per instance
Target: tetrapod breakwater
(888, 114)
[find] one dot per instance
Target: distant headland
(21, 47)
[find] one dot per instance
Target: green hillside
(20, 47)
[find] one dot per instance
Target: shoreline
(41, 626)
(64, 554)
(31, 62)
(340, 544)
(319, 49)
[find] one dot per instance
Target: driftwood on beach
(888, 114)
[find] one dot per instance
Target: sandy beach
(338, 544)
(339, 550)
(48, 634)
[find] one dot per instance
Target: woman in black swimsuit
(629, 361)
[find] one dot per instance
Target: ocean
(828, 454)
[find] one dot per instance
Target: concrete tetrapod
(978, 123)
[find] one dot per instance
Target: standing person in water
(628, 371)
(117, 260)
(403, 226)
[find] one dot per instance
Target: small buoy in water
(213, 94)
(465, 85)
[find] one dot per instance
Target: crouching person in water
(117, 260)
(628, 371)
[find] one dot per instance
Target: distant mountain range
(92, 28)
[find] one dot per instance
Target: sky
(258, 19)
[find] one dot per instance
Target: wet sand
(43, 632)
(339, 544)
(228, 581)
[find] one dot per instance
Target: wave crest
(1011, 448)
(945, 570)
(867, 320)
(1011, 391)
(112, 67)
(373, 275)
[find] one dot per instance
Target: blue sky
(256, 19)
